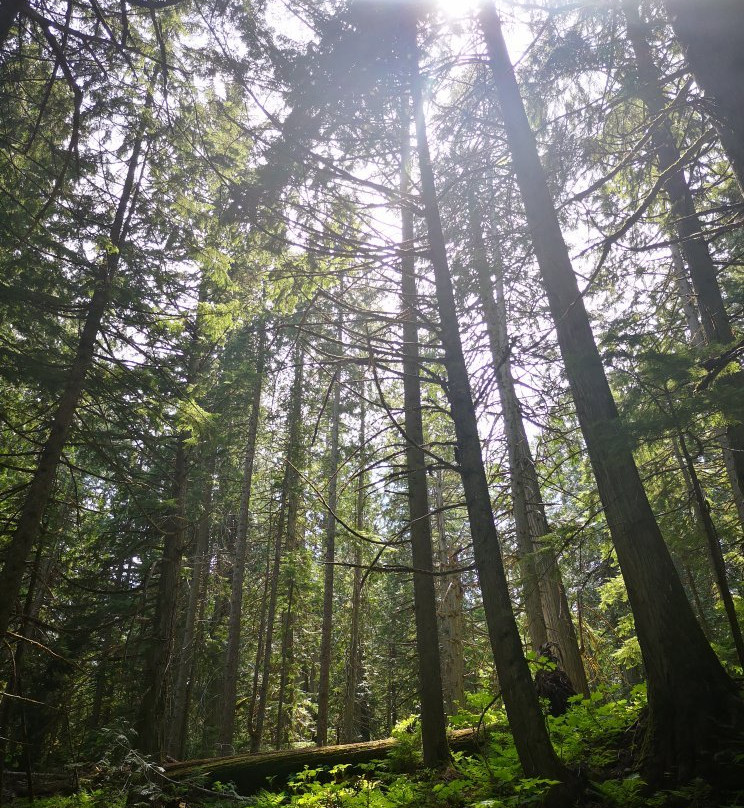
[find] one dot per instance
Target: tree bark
(151, 719)
(232, 653)
(692, 702)
(250, 772)
(350, 717)
(433, 722)
(535, 751)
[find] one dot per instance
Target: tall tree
(232, 653)
(715, 321)
(433, 731)
(692, 702)
(40, 488)
(286, 526)
(536, 753)
(329, 548)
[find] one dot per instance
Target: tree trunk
(42, 483)
(712, 36)
(350, 718)
(151, 720)
(451, 622)
(708, 527)
(232, 653)
(258, 661)
(692, 702)
(714, 319)
(287, 515)
(433, 722)
(179, 723)
(250, 772)
(324, 676)
(548, 613)
(9, 11)
(533, 745)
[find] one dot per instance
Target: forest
(372, 403)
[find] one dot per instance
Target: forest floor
(598, 738)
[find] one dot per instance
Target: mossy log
(252, 772)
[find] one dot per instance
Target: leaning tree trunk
(40, 488)
(692, 702)
(433, 722)
(232, 653)
(324, 675)
(712, 36)
(541, 576)
(534, 748)
(716, 325)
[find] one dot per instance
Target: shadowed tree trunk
(692, 702)
(151, 720)
(232, 654)
(708, 527)
(712, 36)
(433, 724)
(533, 745)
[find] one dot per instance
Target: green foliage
(100, 798)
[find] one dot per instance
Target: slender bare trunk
(708, 527)
(232, 653)
(433, 722)
(287, 516)
(324, 675)
(350, 718)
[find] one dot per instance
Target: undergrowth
(598, 738)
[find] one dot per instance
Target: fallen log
(251, 772)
